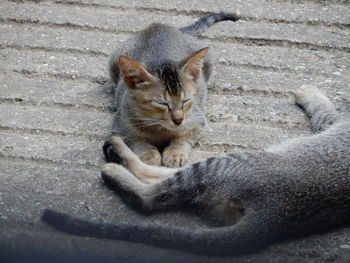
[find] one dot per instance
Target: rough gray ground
(55, 112)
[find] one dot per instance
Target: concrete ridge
(212, 89)
(55, 49)
(58, 105)
(64, 76)
(279, 43)
(242, 119)
(37, 26)
(230, 39)
(226, 148)
(269, 123)
(195, 12)
(116, 20)
(338, 2)
(47, 162)
(56, 133)
(223, 136)
(103, 79)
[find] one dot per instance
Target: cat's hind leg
(118, 176)
(321, 111)
(157, 194)
(151, 193)
(117, 151)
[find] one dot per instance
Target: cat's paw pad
(174, 158)
(113, 149)
(151, 157)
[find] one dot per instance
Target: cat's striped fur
(291, 189)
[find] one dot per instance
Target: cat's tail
(321, 111)
(200, 26)
(246, 236)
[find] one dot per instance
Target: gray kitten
(291, 189)
(160, 78)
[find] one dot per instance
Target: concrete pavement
(56, 111)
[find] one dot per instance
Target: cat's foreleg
(146, 151)
(115, 174)
(115, 149)
(321, 111)
(176, 154)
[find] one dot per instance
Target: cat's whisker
(143, 119)
(145, 125)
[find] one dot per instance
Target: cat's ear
(192, 64)
(133, 72)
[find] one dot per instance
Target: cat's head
(163, 91)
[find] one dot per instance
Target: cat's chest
(160, 135)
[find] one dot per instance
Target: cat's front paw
(173, 158)
(151, 157)
(110, 150)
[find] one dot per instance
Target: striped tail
(200, 26)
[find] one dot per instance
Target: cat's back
(335, 140)
(317, 165)
(163, 41)
(313, 168)
(154, 42)
(326, 154)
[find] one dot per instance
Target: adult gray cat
(160, 78)
(291, 189)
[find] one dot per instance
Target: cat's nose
(178, 121)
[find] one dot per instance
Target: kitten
(160, 78)
(296, 188)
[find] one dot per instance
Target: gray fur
(291, 189)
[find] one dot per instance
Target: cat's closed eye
(161, 104)
(187, 104)
(186, 101)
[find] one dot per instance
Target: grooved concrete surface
(55, 111)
